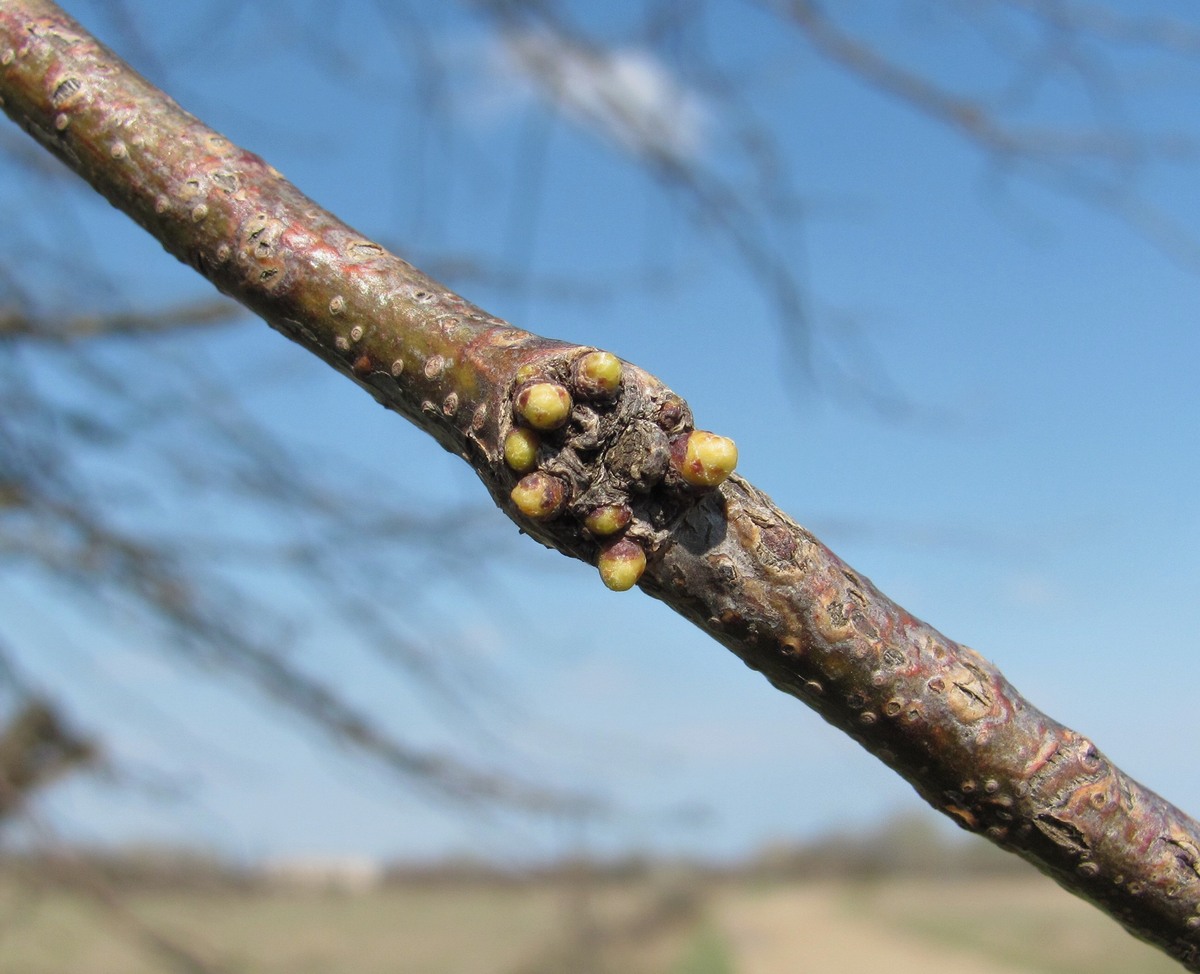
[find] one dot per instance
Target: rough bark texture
(724, 557)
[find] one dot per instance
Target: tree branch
(1092, 163)
(197, 314)
(585, 445)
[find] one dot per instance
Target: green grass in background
(468, 927)
(706, 953)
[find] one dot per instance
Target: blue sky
(1037, 498)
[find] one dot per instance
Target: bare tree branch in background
(66, 453)
(200, 314)
(1100, 164)
(176, 581)
(37, 748)
(174, 953)
(600, 86)
(744, 196)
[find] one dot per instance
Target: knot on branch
(605, 458)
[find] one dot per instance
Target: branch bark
(721, 555)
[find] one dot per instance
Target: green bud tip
(597, 375)
(539, 496)
(608, 519)
(704, 459)
(530, 373)
(621, 564)
(520, 449)
(544, 405)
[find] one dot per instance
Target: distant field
(1001, 926)
(667, 926)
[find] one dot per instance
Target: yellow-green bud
(704, 459)
(597, 375)
(608, 519)
(621, 564)
(539, 496)
(528, 373)
(520, 449)
(544, 405)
